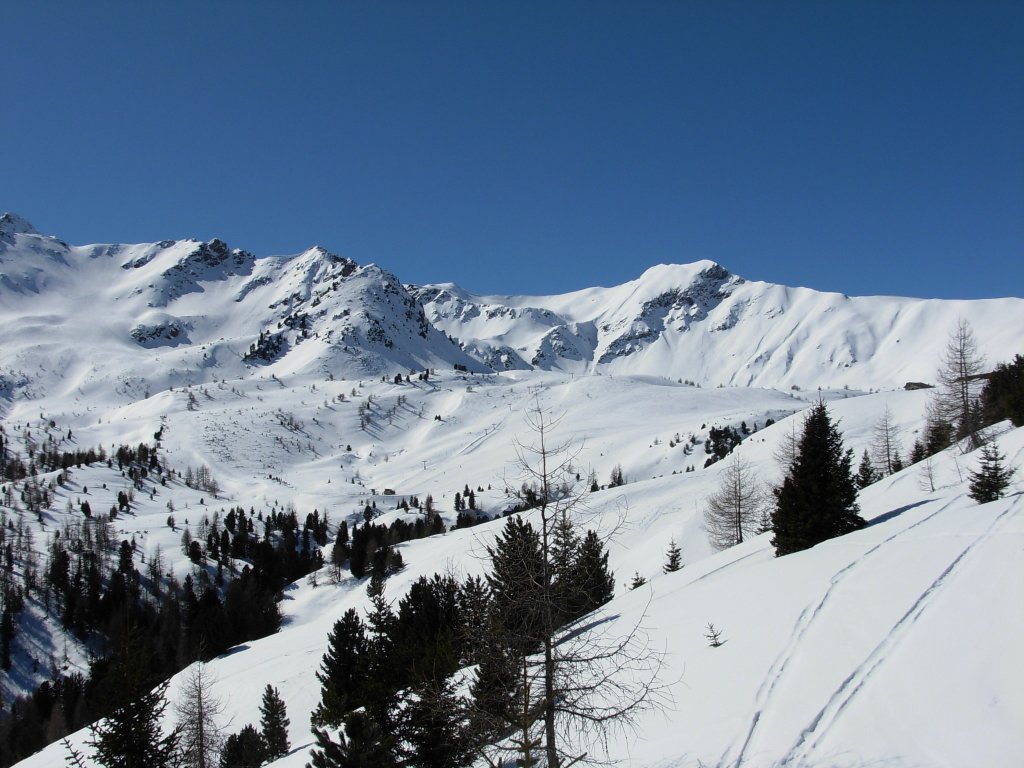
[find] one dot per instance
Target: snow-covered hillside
(900, 645)
(887, 646)
(141, 318)
(699, 322)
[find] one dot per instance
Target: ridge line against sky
(536, 148)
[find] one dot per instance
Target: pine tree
(897, 462)
(274, 723)
(516, 583)
(433, 728)
(359, 746)
(866, 474)
(1003, 395)
(992, 478)
(595, 583)
(818, 498)
(244, 749)
(674, 559)
(131, 735)
(343, 670)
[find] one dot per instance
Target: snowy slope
(872, 648)
(145, 317)
(701, 323)
(886, 647)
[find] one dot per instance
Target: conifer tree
(198, 710)
(360, 745)
(674, 560)
(515, 582)
(1003, 395)
(274, 723)
(571, 681)
(433, 728)
(343, 671)
(595, 582)
(818, 498)
(734, 510)
(244, 749)
(992, 478)
(131, 736)
(866, 474)
(956, 397)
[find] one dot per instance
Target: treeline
(110, 596)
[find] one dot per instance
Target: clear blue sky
(525, 147)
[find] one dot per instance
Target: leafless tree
(926, 475)
(788, 448)
(885, 441)
(199, 712)
(957, 396)
(582, 679)
(734, 511)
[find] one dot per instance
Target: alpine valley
(315, 388)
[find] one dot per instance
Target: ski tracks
(804, 622)
(838, 701)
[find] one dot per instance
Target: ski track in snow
(823, 721)
(803, 624)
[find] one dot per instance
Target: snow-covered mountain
(701, 323)
(145, 317)
(888, 646)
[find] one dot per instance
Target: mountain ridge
(208, 309)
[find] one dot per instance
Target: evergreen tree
(897, 462)
(818, 498)
(495, 689)
(274, 723)
(343, 670)
(516, 583)
(595, 583)
(434, 728)
(917, 452)
(1003, 395)
(131, 735)
(992, 478)
(674, 560)
(361, 745)
(244, 749)
(866, 474)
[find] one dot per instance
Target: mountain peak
(13, 224)
(685, 272)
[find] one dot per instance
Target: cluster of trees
(722, 441)
(370, 548)
(266, 347)
(102, 591)
(132, 735)
(539, 677)
(816, 500)
(394, 666)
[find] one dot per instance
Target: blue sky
(529, 147)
